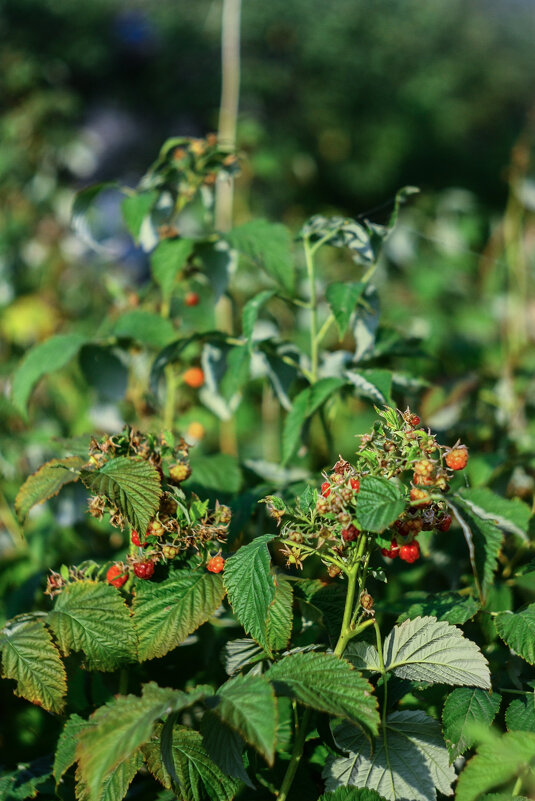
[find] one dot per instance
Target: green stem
(324, 328)
(346, 633)
(297, 752)
(518, 786)
(385, 677)
(311, 273)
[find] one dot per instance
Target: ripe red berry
(410, 552)
(350, 533)
(457, 458)
(355, 484)
(117, 575)
(215, 564)
(191, 299)
(391, 552)
(144, 570)
(135, 538)
(325, 489)
(444, 523)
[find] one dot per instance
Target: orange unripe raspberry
(457, 458)
(420, 496)
(194, 377)
(155, 529)
(215, 564)
(117, 575)
(425, 468)
(195, 430)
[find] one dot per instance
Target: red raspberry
(144, 570)
(136, 541)
(391, 552)
(444, 523)
(117, 575)
(355, 484)
(194, 377)
(410, 552)
(350, 533)
(215, 564)
(457, 458)
(421, 496)
(326, 489)
(191, 299)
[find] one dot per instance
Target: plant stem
(311, 273)
(295, 758)
(518, 786)
(345, 633)
(384, 674)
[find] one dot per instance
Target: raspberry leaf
(520, 715)
(145, 327)
(517, 630)
(133, 485)
(46, 482)
(425, 649)
(219, 472)
(373, 384)
(465, 707)
(65, 755)
(484, 540)
(30, 658)
(304, 406)
(280, 617)
(92, 617)
(342, 298)
(498, 761)
(248, 705)
(167, 259)
(135, 208)
(409, 761)
(510, 514)
(251, 588)
(225, 747)
(449, 606)
(380, 503)
(165, 614)
(115, 785)
(268, 245)
(328, 684)
(351, 794)
(251, 310)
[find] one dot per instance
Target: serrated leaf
(520, 715)
(510, 514)
(145, 327)
(28, 781)
(240, 653)
(517, 630)
(409, 761)
(351, 794)
(115, 731)
(65, 755)
(47, 357)
(465, 707)
(280, 617)
(219, 472)
(424, 649)
(269, 246)
(165, 614)
(133, 485)
(30, 658)
(449, 606)
(225, 747)
(251, 588)
(327, 683)
(92, 617)
(496, 763)
(373, 384)
(115, 785)
(251, 311)
(363, 656)
(248, 705)
(167, 260)
(46, 482)
(304, 406)
(135, 208)
(484, 540)
(380, 503)
(342, 298)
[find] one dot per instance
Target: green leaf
(145, 327)
(280, 617)
(29, 780)
(380, 503)
(135, 208)
(133, 485)
(47, 357)
(119, 728)
(304, 406)
(449, 606)
(46, 482)
(409, 761)
(251, 588)
(517, 630)
(197, 776)
(239, 654)
(269, 246)
(81, 207)
(30, 658)
(167, 260)
(238, 365)
(343, 233)
(65, 755)
(219, 472)
(510, 514)
(251, 311)
(465, 707)
(225, 747)
(351, 794)
(342, 298)
(373, 384)
(520, 715)
(496, 763)
(484, 540)
(115, 785)
(248, 705)
(425, 650)
(165, 614)
(105, 371)
(326, 683)
(92, 617)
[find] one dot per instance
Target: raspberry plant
(243, 634)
